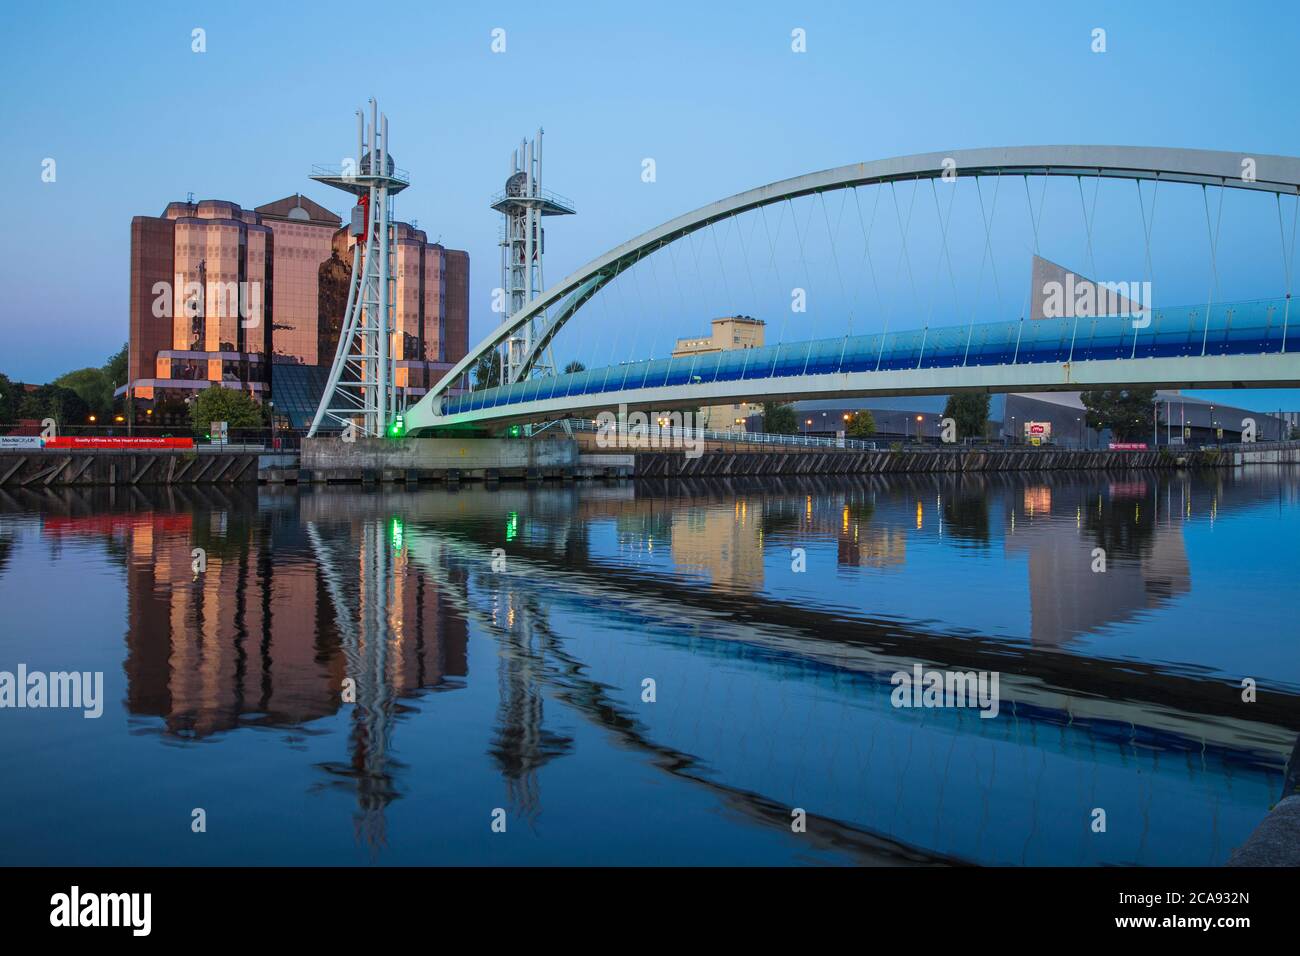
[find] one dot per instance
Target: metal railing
(656, 431)
(543, 194)
(337, 171)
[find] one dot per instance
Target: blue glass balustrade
(1237, 328)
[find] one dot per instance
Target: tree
(574, 366)
(93, 386)
(778, 419)
(487, 371)
(217, 404)
(115, 368)
(64, 405)
(861, 424)
(8, 400)
(1128, 412)
(970, 410)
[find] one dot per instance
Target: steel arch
(1274, 174)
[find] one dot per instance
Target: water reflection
(348, 604)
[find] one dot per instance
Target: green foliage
(970, 410)
(64, 405)
(8, 400)
(574, 366)
(115, 368)
(93, 386)
(487, 370)
(1127, 412)
(778, 419)
(215, 404)
(862, 424)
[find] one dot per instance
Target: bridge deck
(1260, 327)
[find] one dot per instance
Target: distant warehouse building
(1053, 417)
(254, 300)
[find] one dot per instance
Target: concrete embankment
(1276, 841)
(43, 468)
(559, 457)
(815, 461)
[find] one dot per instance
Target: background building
(181, 342)
(254, 300)
(913, 417)
(728, 332)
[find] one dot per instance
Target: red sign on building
(103, 441)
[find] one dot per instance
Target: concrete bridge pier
(442, 459)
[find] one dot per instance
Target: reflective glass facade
(221, 294)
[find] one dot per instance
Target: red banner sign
(98, 441)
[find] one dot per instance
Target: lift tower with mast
(359, 395)
(522, 204)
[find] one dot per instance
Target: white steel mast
(359, 394)
(522, 204)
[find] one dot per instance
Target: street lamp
(918, 428)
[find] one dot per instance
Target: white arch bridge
(1210, 343)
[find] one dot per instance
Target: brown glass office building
(223, 296)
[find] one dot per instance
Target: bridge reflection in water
(773, 688)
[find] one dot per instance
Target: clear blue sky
(134, 119)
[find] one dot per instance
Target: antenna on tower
(359, 394)
(522, 204)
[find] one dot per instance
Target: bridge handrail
(758, 438)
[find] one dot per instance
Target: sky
(713, 92)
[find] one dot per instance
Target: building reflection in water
(1055, 524)
(284, 611)
(723, 541)
(1060, 531)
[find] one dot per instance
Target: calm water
(478, 688)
